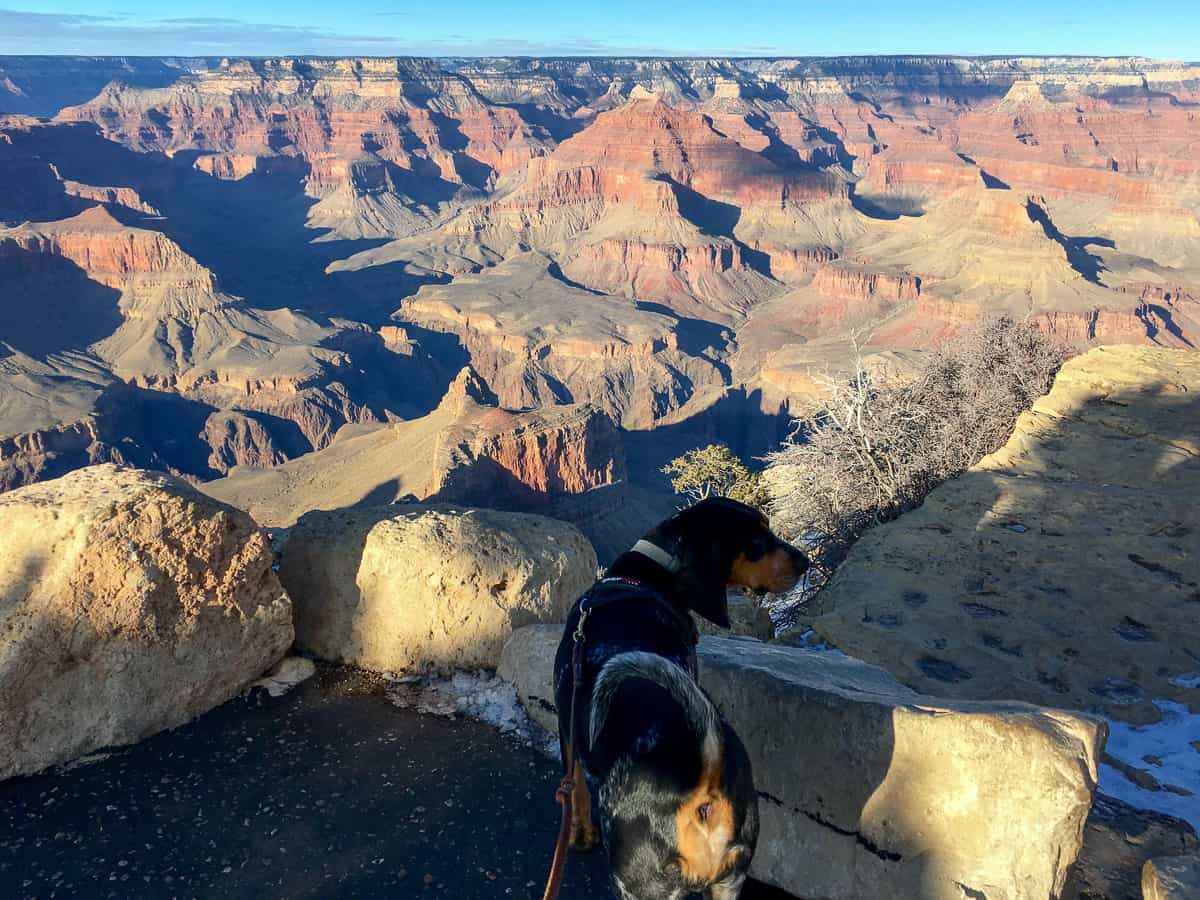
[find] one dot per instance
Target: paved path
(330, 791)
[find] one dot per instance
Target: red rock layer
(107, 251)
(525, 459)
(848, 282)
(646, 137)
(261, 115)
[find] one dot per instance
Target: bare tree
(878, 444)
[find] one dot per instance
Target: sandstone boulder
(1062, 569)
(1173, 878)
(129, 603)
(869, 789)
(401, 588)
(527, 663)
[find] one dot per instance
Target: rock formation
(467, 451)
(538, 340)
(238, 240)
(129, 604)
(912, 795)
(1060, 570)
(414, 588)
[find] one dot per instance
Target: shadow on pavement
(330, 791)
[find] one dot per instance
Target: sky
(1158, 28)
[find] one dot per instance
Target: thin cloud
(22, 31)
(202, 20)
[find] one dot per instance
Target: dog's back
(623, 618)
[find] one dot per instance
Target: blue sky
(700, 27)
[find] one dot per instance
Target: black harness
(623, 590)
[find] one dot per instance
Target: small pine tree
(714, 471)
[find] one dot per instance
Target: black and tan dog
(678, 809)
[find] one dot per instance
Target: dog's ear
(695, 538)
(709, 598)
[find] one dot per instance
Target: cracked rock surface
(129, 603)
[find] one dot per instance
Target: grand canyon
(213, 266)
(374, 361)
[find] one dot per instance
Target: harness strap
(604, 598)
(566, 788)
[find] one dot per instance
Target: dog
(678, 809)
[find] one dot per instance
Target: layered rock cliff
(468, 451)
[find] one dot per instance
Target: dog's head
(719, 543)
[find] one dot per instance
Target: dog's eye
(704, 811)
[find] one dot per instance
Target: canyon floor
(329, 791)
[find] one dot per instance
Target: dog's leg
(584, 835)
(729, 889)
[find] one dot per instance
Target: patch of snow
(481, 696)
(1191, 680)
(287, 673)
(1172, 743)
(810, 640)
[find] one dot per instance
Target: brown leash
(566, 787)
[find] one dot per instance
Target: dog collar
(658, 555)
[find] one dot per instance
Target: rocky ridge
(467, 451)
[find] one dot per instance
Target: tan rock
(1061, 570)
(527, 663)
(1172, 878)
(415, 588)
(872, 790)
(129, 603)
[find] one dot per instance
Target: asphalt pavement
(328, 791)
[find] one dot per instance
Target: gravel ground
(329, 791)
